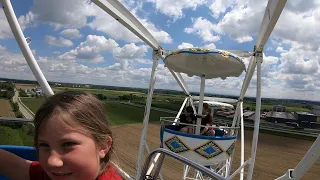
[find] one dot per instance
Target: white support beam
(24, 47)
(143, 137)
(179, 79)
(248, 76)
(270, 18)
(120, 13)
(199, 119)
(259, 58)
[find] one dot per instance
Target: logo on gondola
(230, 150)
(176, 145)
(209, 150)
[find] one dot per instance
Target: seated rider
(207, 121)
(189, 118)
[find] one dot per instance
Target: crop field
(117, 113)
(275, 154)
(25, 86)
(109, 93)
(6, 110)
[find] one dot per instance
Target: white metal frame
(119, 12)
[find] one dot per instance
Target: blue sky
(75, 41)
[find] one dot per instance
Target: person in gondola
(189, 118)
(207, 121)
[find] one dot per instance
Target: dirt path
(275, 154)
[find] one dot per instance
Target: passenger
(189, 118)
(73, 141)
(207, 121)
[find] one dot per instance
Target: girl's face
(66, 152)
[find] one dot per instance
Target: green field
(269, 107)
(11, 136)
(117, 113)
(108, 93)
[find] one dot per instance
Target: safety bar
(164, 152)
(163, 120)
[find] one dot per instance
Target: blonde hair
(86, 110)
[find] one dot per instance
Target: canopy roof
(216, 104)
(212, 63)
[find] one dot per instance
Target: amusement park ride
(210, 156)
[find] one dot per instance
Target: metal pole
(203, 83)
(146, 116)
(181, 109)
(242, 140)
(24, 47)
(257, 116)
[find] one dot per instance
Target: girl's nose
(54, 159)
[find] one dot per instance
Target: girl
(73, 141)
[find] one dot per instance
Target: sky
(75, 41)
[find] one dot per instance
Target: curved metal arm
(165, 152)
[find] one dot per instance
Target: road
(26, 112)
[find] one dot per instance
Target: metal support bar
(146, 116)
(242, 140)
(257, 117)
(180, 111)
(24, 47)
(239, 169)
(270, 18)
(121, 14)
(179, 79)
(200, 106)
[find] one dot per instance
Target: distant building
(316, 110)
(279, 108)
(280, 117)
(249, 115)
(306, 119)
(38, 91)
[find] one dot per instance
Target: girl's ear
(105, 148)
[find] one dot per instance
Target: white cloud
(175, 8)
(210, 46)
(107, 24)
(2, 48)
(61, 42)
(130, 51)
(185, 45)
(90, 49)
(61, 13)
(280, 49)
(94, 46)
(71, 33)
(24, 22)
(219, 6)
(204, 29)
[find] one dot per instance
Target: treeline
(6, 90)
(123, 97)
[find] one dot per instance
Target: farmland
(274, 156)
(117, 113)
(6, 110)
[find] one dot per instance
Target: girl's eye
(68, 144)
(44, 145)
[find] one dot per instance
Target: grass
(108, 93)
(126, 114)
(32, 103)
(19, 137)
(117, 113)
(269, 107)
